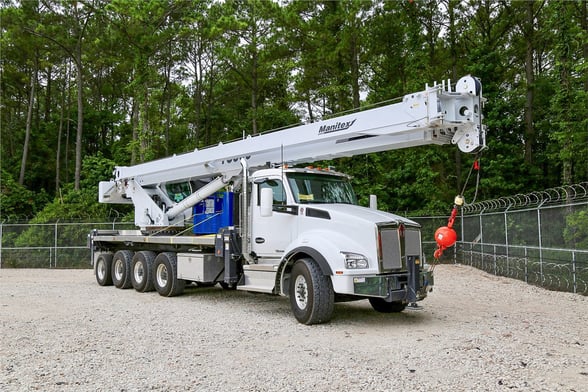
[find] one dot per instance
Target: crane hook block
(445, 237)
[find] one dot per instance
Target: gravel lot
(60, 331)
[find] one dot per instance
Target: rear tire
(380, 305)
(121, 269)
(312, 298)
(102, 269)
(142, 271)
(165, 280)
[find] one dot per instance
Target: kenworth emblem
(338, 126)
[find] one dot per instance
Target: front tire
(103, 268)
(121, 269)
(142, 271)
(166, 282)
(380, 305)
(312, 298)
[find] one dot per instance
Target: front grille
(397, 242)
(391, 257)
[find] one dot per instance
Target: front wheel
(380, 305)
(312, 298)
(166, 282)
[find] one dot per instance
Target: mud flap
(414, 284)
(227, 246)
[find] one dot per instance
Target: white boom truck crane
(256, 224)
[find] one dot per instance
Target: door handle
(259, 240)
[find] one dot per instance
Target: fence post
(526, 266)
(506, 240)
(1, 227)
(462, 240)
(480, 222)
(495, 272)
(540, 242)
(574, 271)
(55, 247)
(471, 254)
(455, 253)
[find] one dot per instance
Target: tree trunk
(25, 147)
(135, 127)
(80, 86)
(67, 124)
(309, 107)
(198, 96)
(584, 24)
(530, 76)
(451, 5)
(254, 93)
(144, 127)
(48, 104)
(60, 132)
(355, 68)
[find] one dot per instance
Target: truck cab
(310, 218)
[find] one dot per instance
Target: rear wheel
(380, 305)
(142, 271)
(121, 269)
(166, 281)
(312, 298)
(102, 269)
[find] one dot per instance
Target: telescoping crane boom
(437, 115)
(296, 232)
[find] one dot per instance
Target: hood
(363, 213)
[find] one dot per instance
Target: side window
(277, 188)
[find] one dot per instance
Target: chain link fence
(540, 237)
(52, 245)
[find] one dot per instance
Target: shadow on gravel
(357, 312)
(361, 312)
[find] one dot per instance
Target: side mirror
(266, 202)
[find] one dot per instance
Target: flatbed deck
(136, 237)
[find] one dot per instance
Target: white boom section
(437, 115)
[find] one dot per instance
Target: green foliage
(18, 203)
(72, 206)
(166, 76)
(82, 205)
(576, 230)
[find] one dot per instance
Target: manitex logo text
(338, 126)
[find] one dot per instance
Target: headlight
(355, 260)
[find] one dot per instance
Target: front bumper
(394, 287)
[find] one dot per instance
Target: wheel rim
(101, 269)
(162, 275)
(301, 292)
(118, 269)
(139, 272)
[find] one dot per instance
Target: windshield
(310, 188)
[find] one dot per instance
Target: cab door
(270, 235)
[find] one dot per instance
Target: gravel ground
(60, 331)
